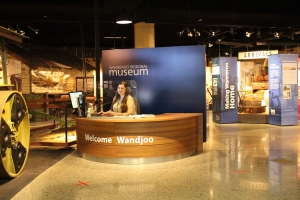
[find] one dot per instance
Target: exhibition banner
(283, 89)
(164, 80)
(225, 100)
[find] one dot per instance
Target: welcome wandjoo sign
(120, 139)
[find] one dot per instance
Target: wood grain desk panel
(167, 137)
(164, 135)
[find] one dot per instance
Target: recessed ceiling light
(200, 20)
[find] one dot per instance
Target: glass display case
(254, 75)
(253, 91)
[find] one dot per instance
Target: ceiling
(62, 23)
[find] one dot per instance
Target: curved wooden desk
(162, 138)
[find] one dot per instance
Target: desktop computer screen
(78, 101)
(75, 100)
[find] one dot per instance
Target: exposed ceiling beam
(11, 35)
(278, 43)
(234, 44)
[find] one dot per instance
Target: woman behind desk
(123, 103)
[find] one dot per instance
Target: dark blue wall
(172, 79)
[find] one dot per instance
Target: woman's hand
(99, 113)
(112, 113)
(108, 113)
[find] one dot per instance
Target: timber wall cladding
(39, 81)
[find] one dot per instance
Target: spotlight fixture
(210, 44)
(222, 38)
(197, 33)
(249, 33)
(123, 17)
(211, 32)
(189, 32)
(34, 29)
(20, 30)
(181, 32)
(227, 53)
(276, 34)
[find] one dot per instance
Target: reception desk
(129, 140)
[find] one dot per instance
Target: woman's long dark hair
(117, 96)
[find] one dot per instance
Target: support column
(144, 36)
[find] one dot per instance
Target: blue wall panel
(165, 79)
(225, 98)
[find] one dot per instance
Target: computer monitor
(74, 97)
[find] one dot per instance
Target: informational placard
(224, 84)
(283, 89)
(289, 73)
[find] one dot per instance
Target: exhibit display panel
(224, 90)
(130, 140)
(283, 89)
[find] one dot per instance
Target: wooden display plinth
(254, 109)
(253, 118)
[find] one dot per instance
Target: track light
(222, 38)
(227, 53)
(212, 33)
(123, 17)
(20, 30)
(249, 33)
(210, 44)
(276, 34)
(189, 33)
(197, 33)
(34, 29)
(181, 32)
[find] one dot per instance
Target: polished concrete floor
(240, 161)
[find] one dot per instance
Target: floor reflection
(239, 161)
(258, 157)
